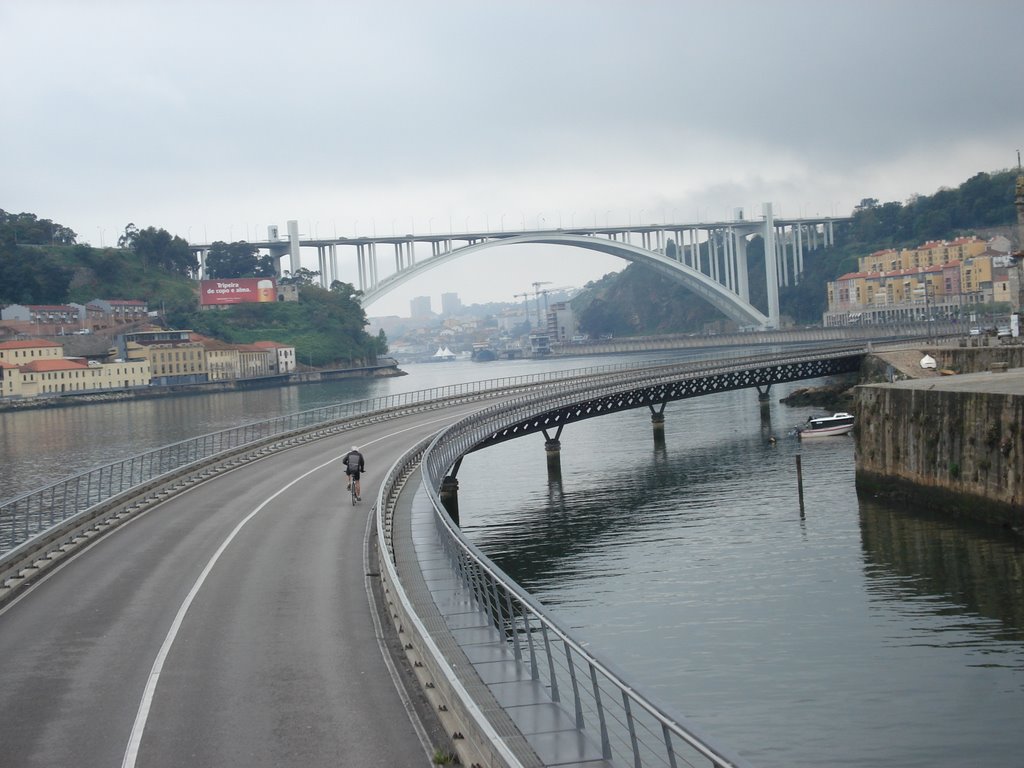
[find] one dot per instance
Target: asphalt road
(230, 626)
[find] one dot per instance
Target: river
(852, 634)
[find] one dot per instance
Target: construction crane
(526, 306)
(536, 296)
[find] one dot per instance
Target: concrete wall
(961, 451)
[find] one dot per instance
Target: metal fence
(24, 517)
(631, 729)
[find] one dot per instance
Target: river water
(853, 634)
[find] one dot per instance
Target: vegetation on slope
(41, 264)
(638, 302)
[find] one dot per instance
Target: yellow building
(27, 350)
(931, 254)
(172, 362)
(10, 380)
(58, 376)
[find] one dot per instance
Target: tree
(127, 238)
(302, 276)
(239, 259)
(157, 248)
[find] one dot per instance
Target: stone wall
(961, 451)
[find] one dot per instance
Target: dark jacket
(354, 462)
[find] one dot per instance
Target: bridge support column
(553, 454)
(658, 425)
(766, 411)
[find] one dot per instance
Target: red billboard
(237, 290)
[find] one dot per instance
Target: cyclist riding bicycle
(354, 466)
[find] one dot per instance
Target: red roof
(55, 364)
(28, 344)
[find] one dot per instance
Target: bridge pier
(658, 424)
(553, 454)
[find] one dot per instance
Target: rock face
(956, 444)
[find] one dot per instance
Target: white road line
(131, 752)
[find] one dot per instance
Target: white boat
(826, 426)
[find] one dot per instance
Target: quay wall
(955, 449)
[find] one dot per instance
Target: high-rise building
(450, 304)
(420, 307)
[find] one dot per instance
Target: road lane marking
(131, 752)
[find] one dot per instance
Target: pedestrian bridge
(709, 258)
(499, 669)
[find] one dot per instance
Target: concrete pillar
(449, 494)
(658, 425)
(771, 266)
(553, 453)
(293, 246)
(742, 282)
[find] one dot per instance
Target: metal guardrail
(629, 725)
(630, 728)
(25, 517)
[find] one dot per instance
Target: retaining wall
(955, 448)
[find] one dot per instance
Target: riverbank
(384, 370)
(949, 437)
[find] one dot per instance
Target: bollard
(449, 495)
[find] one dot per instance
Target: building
(937, 279)
(284, 356)
(47, 319)
(24, 351)
(561, 323)
(255, 361)
(118, 311)
(36, 368)
(419, 307)
(222, 361)
(450, 304)
(172, 355)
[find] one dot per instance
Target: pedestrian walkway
(539, 731)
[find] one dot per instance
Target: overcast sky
(216, 119)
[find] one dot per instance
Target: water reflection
(690, 566)
(934, 562)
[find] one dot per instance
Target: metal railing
(631, 729)
(27, 516)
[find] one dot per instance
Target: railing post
(606, 749)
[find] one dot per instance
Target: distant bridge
(708, 258)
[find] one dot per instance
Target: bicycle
(352, 480)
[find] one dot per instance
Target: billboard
(237, 290)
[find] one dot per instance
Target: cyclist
(354, 466)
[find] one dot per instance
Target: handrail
(631, 728)
(31, 514)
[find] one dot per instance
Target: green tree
(239, 259)
(302, 276)
(157, 248)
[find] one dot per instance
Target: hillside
(41, 264)
(638, 302)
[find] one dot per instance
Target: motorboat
(826, 426)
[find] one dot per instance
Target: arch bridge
(708, 258)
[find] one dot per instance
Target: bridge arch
(727, 302)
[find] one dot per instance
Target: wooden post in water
(800, 484)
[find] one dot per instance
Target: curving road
(229, 626)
